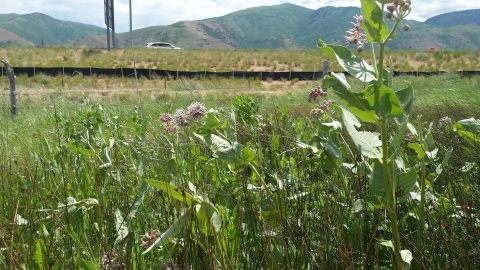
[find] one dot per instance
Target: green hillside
(284, 26)
(33, 26)
(464, 17)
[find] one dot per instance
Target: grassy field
(75, 160)
(228, 60)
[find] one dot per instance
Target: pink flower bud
(408, 2)
(396, 2)
(391, 8)
(360, 49)
(389, 16)
(406, 27)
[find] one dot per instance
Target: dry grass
(222, 60)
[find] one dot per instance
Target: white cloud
(154, 12)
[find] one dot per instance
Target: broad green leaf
(406, 182)
(442, 165)
(406, 255)
(212, 122)
(388, 243)
(334, 125)
(332, 156)
(432, 155)
(406, 99)
(204, 131)
(235, 155)
(377, 184)
(176, 227)
(359, 206)
(350, 62)
(248, 155)
(39, 254)
(399, 135)
(175, 192)
(369, 105)
(373, 22)
(375, 202)
(209, 219)
(470, 124)
(83, 264)
(418, 148)
(137, 205)
(368, 143)
(121, 227)
(354, 101)
(383, 100)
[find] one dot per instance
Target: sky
(157, 12)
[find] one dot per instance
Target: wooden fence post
(13, 90)
(325, 73)
(63, 71)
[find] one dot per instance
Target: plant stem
(382, 51)
(262, 182)
(390, 190)
(421, 211)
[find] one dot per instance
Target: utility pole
(113, 25)
(131, 33)
(110, 21)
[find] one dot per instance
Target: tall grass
(102, 146)
(222, 60)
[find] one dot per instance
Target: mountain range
(284, 26)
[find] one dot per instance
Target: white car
(161, 45)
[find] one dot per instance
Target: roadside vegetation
(227, 60)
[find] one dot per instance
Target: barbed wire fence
(165, 82)
(182, 85)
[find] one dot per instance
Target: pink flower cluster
(316, 94)
(326, 104)
(195, 111)
(445, 121)
(398, 10)
(357, 34)
(112, 260)
(149, 239)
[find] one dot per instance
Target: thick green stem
(421, 211)
(390, 190)
(382, 51)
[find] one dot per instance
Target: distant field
(227, 60)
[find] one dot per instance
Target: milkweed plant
(391, 180)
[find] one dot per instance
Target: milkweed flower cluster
(445, 121)
(181, 118)
(316, 94)
(324, 106)
(196, 110)
(398, 10)
(149, 239)
(357, 35)
(112, 260)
